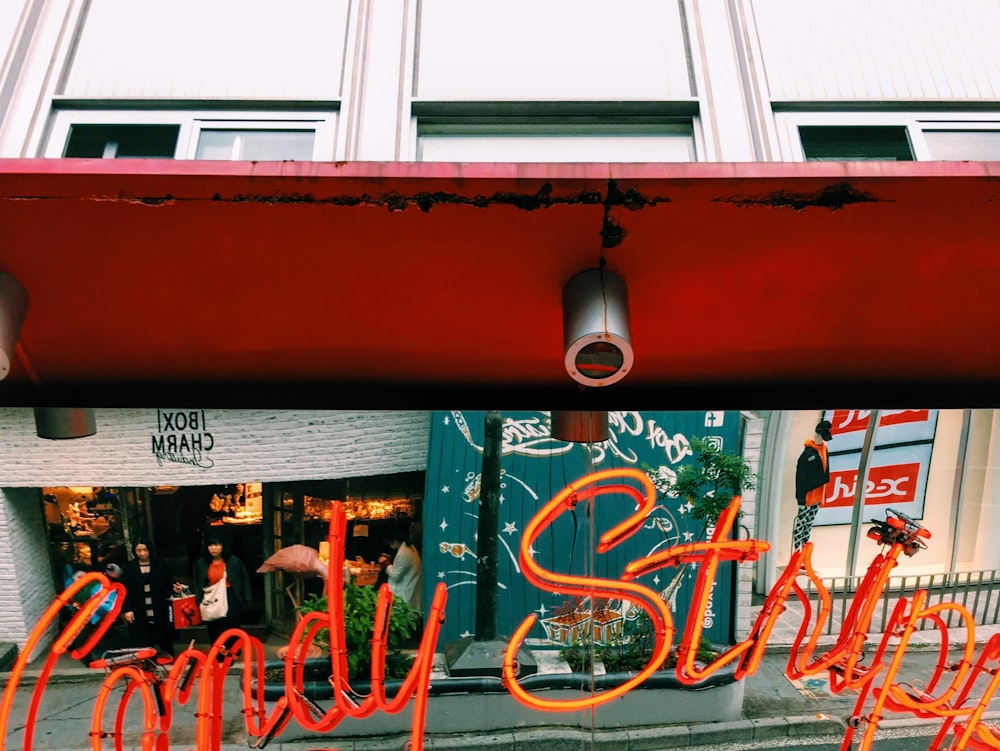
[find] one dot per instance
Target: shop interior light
(596, 328)
(13, 305)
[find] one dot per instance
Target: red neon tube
(647, 599)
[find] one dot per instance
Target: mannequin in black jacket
(812, 472)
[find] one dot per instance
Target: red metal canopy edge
(381, 284)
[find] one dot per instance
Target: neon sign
(899, 535)
(198, 678)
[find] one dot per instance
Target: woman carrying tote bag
(219, 572)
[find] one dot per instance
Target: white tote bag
(214, 604)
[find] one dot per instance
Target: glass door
(283, 526)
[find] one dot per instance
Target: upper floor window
(255, 145)
(122, 141)
(181, 135)
(949, 145)
(554, 132)
(889, 136)
(853, 143)
(557, 144)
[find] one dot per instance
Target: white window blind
(556, 49)
(592, 147)
(223, 48)
(256, 145)
(959, 145)
(819, 50)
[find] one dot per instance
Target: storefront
(938, 466)
(91, 527)
(261, 480)
(271, 477)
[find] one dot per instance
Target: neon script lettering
(199, 677)
(898, 535)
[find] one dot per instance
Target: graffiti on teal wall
(534, 467)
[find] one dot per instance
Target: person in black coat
(148, 588)
(209, 569)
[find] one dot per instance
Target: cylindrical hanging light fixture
(596, 328)
(580, 426)
(59, 423)
(13, 305)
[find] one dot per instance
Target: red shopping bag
(184, 611)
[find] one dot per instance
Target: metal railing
(977, 591)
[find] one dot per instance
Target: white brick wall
(246, 446)
(26, 588)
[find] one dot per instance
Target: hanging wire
(591, 571)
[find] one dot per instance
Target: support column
(377, 100)
(724, 81)
(987, 551)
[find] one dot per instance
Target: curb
(872, 642)
(658, 738)
(72, 675)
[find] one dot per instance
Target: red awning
(367, 284)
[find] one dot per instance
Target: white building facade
(641, 81)
(444, 80)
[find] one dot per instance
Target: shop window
(86, 529)
(855, 143)
(122, 141)
(298, 513)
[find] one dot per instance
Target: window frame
(915, 122)
(192, 122)
(555, 118)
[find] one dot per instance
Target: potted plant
(359, 621)
(709, 482)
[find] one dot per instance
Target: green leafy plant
(359, 626)
(579, 655)
(631, 651)
(709, 482)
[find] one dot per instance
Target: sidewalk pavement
(773, 707)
